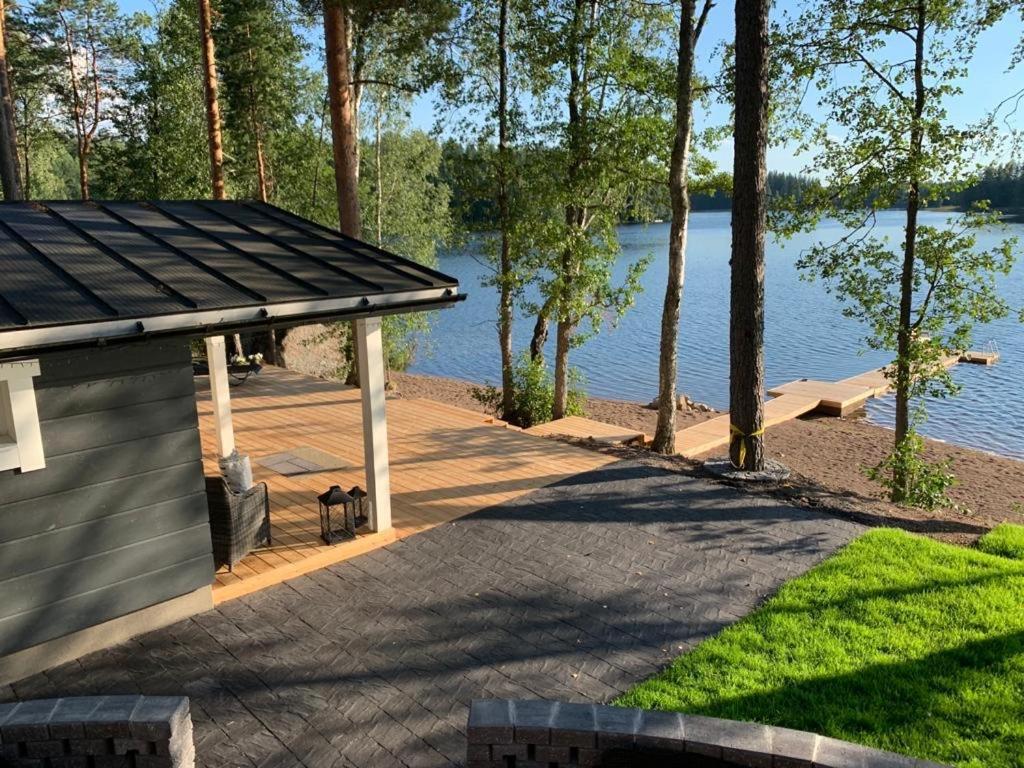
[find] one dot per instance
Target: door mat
(303, 460)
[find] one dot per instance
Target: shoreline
(825, 455)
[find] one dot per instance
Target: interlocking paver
(574, 592)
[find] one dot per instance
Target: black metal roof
(187, 265)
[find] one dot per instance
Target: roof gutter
(211, 322)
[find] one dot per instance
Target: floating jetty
(789, 401)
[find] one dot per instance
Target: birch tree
(884, 74)
(690, 27)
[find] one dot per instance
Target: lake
(806, 335)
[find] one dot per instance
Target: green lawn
(1006, 540)
(897, 641)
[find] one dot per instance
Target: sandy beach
(826, 456)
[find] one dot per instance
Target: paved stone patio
(575, 591)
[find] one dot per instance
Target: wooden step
(589, 429)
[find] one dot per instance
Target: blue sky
(985, 86)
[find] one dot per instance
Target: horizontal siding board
(24, 593)
(97, 395)
(118, 518)
(76, 470)
(39, 514)
(116, 425)
(143, 358)
(93, 537)
(78, 611)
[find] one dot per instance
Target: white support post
(19, 418)
(370, 359)
(220, 395)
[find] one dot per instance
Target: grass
(1005, 540)
(897, 641)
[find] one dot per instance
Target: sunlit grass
(898, 642)
(1006, 540)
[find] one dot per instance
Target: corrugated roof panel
(75, 273)
(388, 278)
(202, 287)
(120, 289)
(305, 267)
(403, 266)
(38, 294)
(233, 266)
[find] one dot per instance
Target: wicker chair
(239, 522)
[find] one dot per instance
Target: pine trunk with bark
(343, 129)
(746, 319)
(10, 170)
(901, 482)
(505, 312)
(343, 139)
(213, 131)
(679, 194)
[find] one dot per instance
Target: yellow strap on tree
(742, 436)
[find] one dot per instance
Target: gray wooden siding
(117, 521)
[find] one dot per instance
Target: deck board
(446, 462)
(588, 429)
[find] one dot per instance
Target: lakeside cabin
(104, 518)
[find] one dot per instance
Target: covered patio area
(445, 462)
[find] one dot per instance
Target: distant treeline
(466, 172)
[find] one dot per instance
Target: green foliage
(898, 642)
(1006, 540)
(159, 128)
(259, 57)
(405, 209)
(928, 482)
(534, 393)
(883, 78)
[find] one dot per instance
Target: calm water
(805, 334)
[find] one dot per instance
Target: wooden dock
(834, 398)
(714, 433)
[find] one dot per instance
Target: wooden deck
(446, 462)
(588, 429)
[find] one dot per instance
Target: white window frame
(21, 442)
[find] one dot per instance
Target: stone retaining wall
(97, 732)
(551, 734)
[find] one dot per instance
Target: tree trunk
(343, 138)
(563, 340)
(746, 320)
(346, 172)
(83, 169)
(505, 286)
(378, 164)
(679, 193)
(901, 481)
(213, 134)
(540, 331)
(10, 170)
